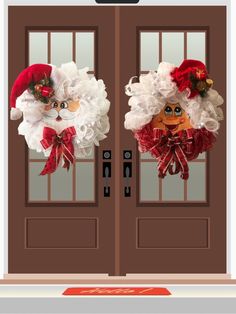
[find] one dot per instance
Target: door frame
(231, 227)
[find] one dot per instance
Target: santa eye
(54, 104)
(64, 105)
(178, 111)
(168, 111)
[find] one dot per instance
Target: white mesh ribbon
(91, 121)
(155, 89)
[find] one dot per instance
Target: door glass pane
(196, 42)
(38, 47)
(85, 50)
(146, 156)
(173, 47)
(85, 181)
(197, 181)
(149, 51)
(202, 156)
(38, 185)
(61, 48)
(173, 188)
(62, 185)
(149, 182)
(34, 155)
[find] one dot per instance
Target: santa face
(61, 110)
(173, 118)
(60, 114)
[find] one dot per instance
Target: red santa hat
(35, 78)
(192, 76)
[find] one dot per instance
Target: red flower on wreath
(200, 73)
(43, 89)
(47, 91)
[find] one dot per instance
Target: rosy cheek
(182, 120)
(73, 106)
(47, 107)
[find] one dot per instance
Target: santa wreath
(64, 112)
(174, 114)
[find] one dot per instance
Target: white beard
(33, 132)
(68, 119)
(87, 134)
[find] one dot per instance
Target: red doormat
(117, 291)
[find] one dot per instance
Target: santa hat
(41, 80)
(189, 84)
(192, 76)
(30, 78)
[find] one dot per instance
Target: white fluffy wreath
(91, 122)
(155, 89)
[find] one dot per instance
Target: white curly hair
(91, 121)
(155, 89)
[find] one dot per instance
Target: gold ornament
(38, 87)
(209, 82)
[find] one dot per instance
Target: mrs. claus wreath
(64, 112)
(174, 114)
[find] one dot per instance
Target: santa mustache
(65, 114)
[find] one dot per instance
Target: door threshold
(128, 279)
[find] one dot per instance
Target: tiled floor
(184, 299)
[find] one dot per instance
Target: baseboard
(128, 279)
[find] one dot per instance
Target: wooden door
(145, 225)
(171, 226)
(60, 223)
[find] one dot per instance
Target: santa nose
(57, 109)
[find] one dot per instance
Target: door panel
(59, 223)
(168, 225)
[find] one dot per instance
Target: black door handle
(127, 174)
(106, 176)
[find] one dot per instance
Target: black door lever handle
(127, 174)
(106, 176)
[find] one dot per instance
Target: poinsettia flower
(199, 73)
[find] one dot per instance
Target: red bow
(62, 147)
(174, 150)
(173, 154)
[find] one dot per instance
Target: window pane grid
(187, 49)
(51, 188)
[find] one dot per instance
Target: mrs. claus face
(61, 110)
(172, 117)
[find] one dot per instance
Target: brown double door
(129, 222)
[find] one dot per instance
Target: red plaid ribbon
(173, 155)
(173, 151)
(62, 147)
